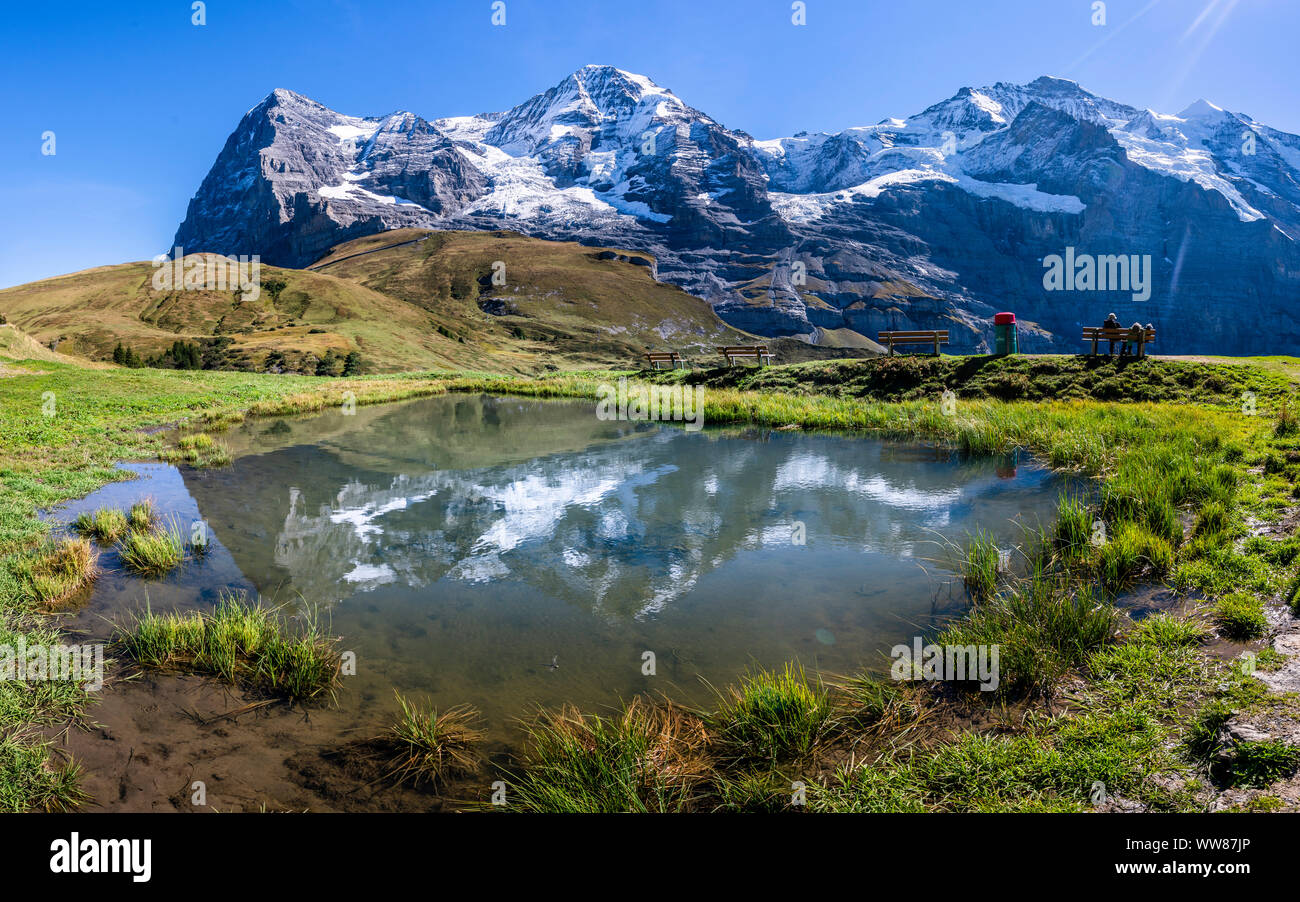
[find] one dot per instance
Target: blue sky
(141, 101)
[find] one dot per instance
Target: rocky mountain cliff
(938, 220)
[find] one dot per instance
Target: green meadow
(1195, 467)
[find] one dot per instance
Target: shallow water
(511, 553)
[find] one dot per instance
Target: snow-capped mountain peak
(901, 222)
(590, 100)
(1201, 109)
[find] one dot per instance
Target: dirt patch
(150, 738)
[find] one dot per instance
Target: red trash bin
(1004, 334)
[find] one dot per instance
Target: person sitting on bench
(1112, 322)
(1132, 340)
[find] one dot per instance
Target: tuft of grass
(979, 565)
(772, 715)
(1073, 531)
(1132, 550)
(754, 792)
(143, 515)
(104, 525)
(1202, 739)
(33, 779)
(1211, 520)
(1167, 631)
(153, 553)
(218, 456)
(888, 705)
(433, 746)
(1270, 659)
(199, 441)
(1260, 764)
(648, 758)
(1042, 628)
(243, 644)
(198, 450)
(1240, 615)
(55, 570)
(1288, 422)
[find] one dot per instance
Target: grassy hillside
(429, 302)
(560, 302)
(88, 313)
(16, 344)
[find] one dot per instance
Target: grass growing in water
(433, 746)
(772, 715)
(143, 515)
(106, 525)
(1073, 537)
(200, 441)
(980, 565)
(1130, 551)
(199, 450)
(243, 644)
(648, 758)
(870, 702)
(1043, 628)
(153, 553)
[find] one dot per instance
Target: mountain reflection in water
(461, 545)
(616, 519)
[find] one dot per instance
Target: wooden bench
(745, 352)
(1097, 334)
(923, 337)
(672, 358)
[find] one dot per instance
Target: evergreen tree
(119, 354)
(352, 364)
(329, 365)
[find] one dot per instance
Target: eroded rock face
(936, 221)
